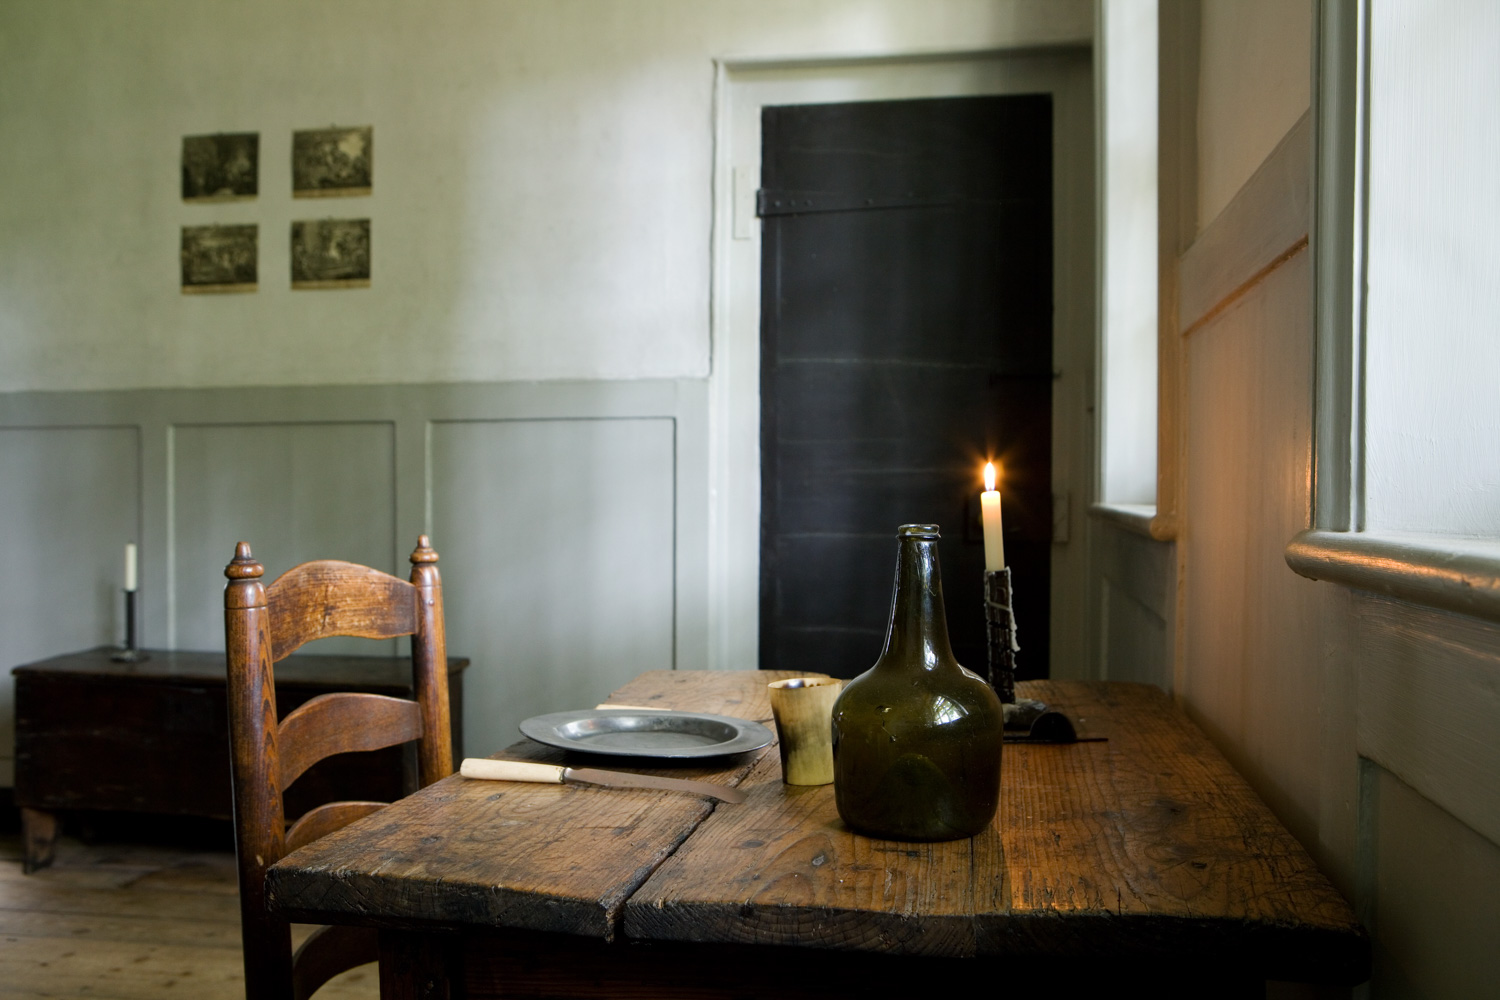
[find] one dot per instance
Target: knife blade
(520, 770)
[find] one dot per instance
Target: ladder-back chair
(265, 624)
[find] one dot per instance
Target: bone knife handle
(511, 770)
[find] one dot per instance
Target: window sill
(1454, 574)
(1133, 517)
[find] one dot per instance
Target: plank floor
(130, 921)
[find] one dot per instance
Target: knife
(519, 770)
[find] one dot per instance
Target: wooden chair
(265, 624)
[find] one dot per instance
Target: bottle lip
(918, 531)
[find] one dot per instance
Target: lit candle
(130, 566)
(989, 508)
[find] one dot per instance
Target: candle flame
(989, 476)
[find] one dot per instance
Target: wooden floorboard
(129, 922)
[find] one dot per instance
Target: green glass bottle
(916, 738)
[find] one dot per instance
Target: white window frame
(1453, 574)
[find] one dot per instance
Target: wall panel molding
(566, 572)
(1429, 687)
(350, 472)
(70, 498)
(294, 491)
(1263, 227)
(1136, 591)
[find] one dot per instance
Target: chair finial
(424, 552)
(244, 565)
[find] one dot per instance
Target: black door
(906, 337)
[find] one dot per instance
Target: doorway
(745, 89)
(906, 338)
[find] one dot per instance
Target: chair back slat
(329, 951)
(325, 819)
(326, 598)
(343, 722)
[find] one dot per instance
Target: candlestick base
(1020, 714)
(129, 653)
(1000, 633)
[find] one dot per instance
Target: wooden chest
(153, 737)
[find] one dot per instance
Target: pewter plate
(626, 732)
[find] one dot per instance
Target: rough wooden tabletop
(507, 854)
(1147, 844)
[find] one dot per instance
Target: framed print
(224, 167)
(219, 258)
(331, 253)
(332, 162)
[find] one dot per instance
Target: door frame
(742, 88)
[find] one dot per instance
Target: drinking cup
(803, 707)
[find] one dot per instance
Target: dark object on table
(1000, 634)
(265, 624)
(153, 736)
(916, 738)
(1052, 727)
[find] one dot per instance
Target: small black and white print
(222, 167)
(332, 162)
(219, 258)
(331, 253)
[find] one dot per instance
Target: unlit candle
(130, 566)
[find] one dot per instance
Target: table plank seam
(614, 908)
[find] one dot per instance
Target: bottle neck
(918, 632)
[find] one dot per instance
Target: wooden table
(1142, 859)
(152, 736)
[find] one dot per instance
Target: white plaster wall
(542, 193)
(1432, 355)
(1255, 82)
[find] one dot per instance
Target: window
(1407, 467)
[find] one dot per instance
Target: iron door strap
(769, 203)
